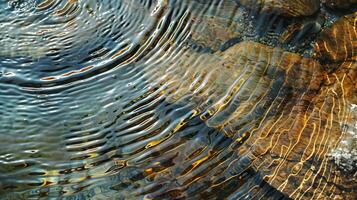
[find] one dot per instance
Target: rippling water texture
(178, 99)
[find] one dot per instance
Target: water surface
(168, 99)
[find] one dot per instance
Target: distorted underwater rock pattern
(178, 99)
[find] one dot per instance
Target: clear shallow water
(133, 99)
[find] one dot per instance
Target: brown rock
(213, 30)
(286, 113)
(292, 133)
(338, 43)
(339, 3)
(291, 8)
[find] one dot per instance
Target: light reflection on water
(174, 99)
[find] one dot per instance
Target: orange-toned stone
(293, 139)
(286, 112)
(338, 43)
(291, 8)
(296, 150)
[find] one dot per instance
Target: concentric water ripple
(178, 99)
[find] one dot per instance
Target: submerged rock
(339, 3)
(338, 43)
(215, 29)
(345, 154)
(285, 112)
(289, 119)
(336, 48)
(290, 8)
